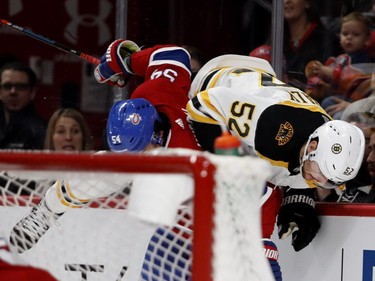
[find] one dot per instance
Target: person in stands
(337, 72)
(305, 38)
(20, 126)
(68, 131)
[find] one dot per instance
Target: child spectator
(337, 73)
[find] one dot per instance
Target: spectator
(365, 104)
(362, 105)
(337, 73)
(20, 127)
(305, 39)
(68, 130)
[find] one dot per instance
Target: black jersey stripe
(197, 105)
(207, 80)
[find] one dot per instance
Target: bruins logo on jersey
(285, 133)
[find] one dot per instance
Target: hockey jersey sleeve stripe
(207, 80)
(210, 110)
(267, 194)
(309, 106)
(273, 162)
(194, 108)
(171, 55)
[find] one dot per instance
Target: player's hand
(297, 216)
(114, 68)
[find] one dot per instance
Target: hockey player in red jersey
(135, 64)
(166, 72)
(154, 116)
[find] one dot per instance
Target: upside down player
(154, 116)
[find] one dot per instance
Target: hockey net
(136, 233)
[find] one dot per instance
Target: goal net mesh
(168, 215)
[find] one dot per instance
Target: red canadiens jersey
(166, 72)
(271, 202)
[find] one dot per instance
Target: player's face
(67, 135)
(15, 90)
(312, 174)
(371, 156)
(156, 142)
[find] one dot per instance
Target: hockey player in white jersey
(272, 119)
(282, 125)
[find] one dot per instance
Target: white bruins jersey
(270, 117)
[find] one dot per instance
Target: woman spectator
(305, 39)
(68, 130)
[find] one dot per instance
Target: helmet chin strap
(304, 156)
(168, 138)
(307, 156)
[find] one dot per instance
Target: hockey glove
(114, 68)
(297, 216)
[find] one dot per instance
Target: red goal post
(226, 190)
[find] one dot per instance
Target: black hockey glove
(297, 215)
